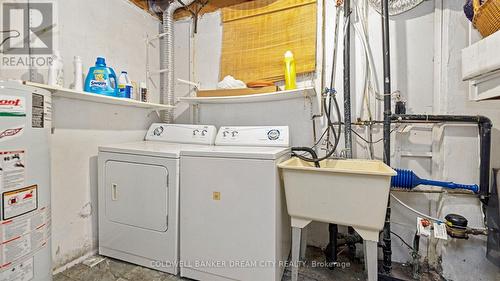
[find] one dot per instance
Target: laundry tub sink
(348, 192)
(351, 192)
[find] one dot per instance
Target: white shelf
(481, 67)
(85, 96)
(267, 97)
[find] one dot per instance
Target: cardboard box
(236, 92)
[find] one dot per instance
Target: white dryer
(139, 195)
(234, 221)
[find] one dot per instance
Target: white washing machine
(234, 222)
(139, 195)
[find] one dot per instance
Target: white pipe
(167, 59)
(415, 211)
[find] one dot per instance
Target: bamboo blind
(256, 35)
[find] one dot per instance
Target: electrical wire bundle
(330, 130)
(371, 94)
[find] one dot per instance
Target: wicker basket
(486, 16)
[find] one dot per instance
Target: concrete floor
(115, 270)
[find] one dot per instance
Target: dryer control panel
(182, 133)
(253, 136)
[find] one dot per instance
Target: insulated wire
(402, 240)
(415, 211)
(372, 142)
(327, 109)
(334, 64)
(366, 94)
(335, 47)
(360, 32)
(330, 127)
(316, 143)
(365, 140)
(323, 49)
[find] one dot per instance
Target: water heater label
(19, 202)
(12, 106)
(23, 236)
(20, 271)
(37, 111)
(12, 170)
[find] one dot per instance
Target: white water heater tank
(25, 221)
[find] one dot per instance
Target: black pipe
(484, 125)
(308, 150)
(331, 249)
(416, 257)
(347, 78)
(347, 96)
(387, 251)
(387, 83)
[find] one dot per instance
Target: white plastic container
(78, 83)
(124, 85)
(350, 192)
(56, 70)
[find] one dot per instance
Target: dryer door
(137, 194)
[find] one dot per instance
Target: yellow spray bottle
(290, 74)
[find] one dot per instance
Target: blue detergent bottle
(101, 79)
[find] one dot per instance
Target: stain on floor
(314, 270)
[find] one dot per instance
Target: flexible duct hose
(167, 78)
(396, 7)
(167, 81)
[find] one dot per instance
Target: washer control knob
(225, 133)
(204, 132)
(195, 132)
(234, 133)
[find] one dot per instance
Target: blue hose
(408, 180)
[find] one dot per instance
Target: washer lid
(243, 152)
(149, 148)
